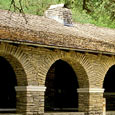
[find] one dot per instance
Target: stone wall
(60, 14)
(31, 65)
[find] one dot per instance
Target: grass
(4, 4)
(38, 7)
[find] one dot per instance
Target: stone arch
(7, 85)
(106, 64)
(79, 70)
(24, 71)
(62, 84)
(18, 69)
(77, 61)
(108, 85)
(20, 63)
(107, 67)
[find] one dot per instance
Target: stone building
(60, 14)
(50, 69)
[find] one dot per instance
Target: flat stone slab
(64, 113)
(9, 114)
(110, 113)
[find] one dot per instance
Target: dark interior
(109, 86)
(109, 82)
(61, 93)
(7, 85)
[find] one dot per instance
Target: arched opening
(109, 86)
(7, 87)
(61, 93)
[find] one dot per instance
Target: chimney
(60, 14)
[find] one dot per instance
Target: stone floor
(64, 113)
(61, 113)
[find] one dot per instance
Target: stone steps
(64, 113)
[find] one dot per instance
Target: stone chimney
(60, 14)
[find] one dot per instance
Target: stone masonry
(31, 49)
(60, 14)
(34, 63)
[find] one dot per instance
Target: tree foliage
(99, 12)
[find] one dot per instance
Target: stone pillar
(30, 99)
(91, 101)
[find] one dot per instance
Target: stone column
(91, 101)
(30, 99)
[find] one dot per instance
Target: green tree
(98, 12)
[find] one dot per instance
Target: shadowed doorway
(7, 87)
(109, 86)
(61, 93)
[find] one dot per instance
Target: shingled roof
(49, 33)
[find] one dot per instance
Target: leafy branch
(18, 8)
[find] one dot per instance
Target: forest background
(97, 12)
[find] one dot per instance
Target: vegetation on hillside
(98, 12)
